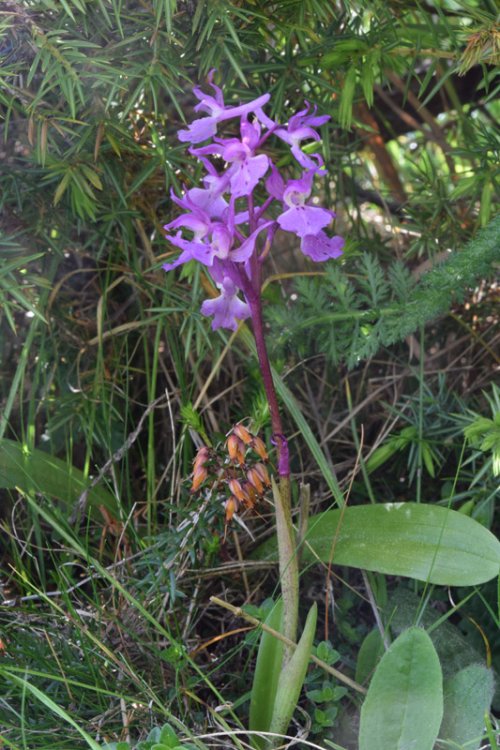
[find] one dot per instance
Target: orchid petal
(199, 130)
(304, 220)
(226, 308)
(247, 175)
(320, 247)
(245, 250)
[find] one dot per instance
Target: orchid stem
(287, 551)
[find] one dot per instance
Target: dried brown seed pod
(251, 496)
(199, 476)
(231, 505)
(243, 434)
(262, 472)
(202, 456)
(236, 449)
(237, 490)
(259, 447)
(254, 478)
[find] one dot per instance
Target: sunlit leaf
(426, 542)
(404, 704)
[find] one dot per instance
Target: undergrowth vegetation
(131, 606)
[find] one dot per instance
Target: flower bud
(202, 456)
(237, 490)
(236, 449)
(231, 507)
(242, 433)
(260, 448)
(199, 476)
(251, 496)
(253, 477)
(262, 472)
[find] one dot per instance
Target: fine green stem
(288, 562)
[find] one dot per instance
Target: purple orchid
(246, 168)
(204, 128)
(301, 218)
(226, 309)
(229, 223)
(222, 226)
(319, 247)
(215, 244)
(301, 127)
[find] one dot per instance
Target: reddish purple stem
(255, 303)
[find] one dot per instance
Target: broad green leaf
(369, 655)
(419, 541)
(455, 650)
(404, 704)
(266, 676)
(467, 697)
(36, 471)
(292, 676)
(168, 737)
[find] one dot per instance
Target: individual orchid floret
(206, 127)
(319, 247)
(210, 197)
(226, 309)
(246, 169)
(191, 250)
(300, 218)
(197, 221)
(301, 127)
(216, 244)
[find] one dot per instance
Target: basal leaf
(467, 697)
(404, 704)
(292, 676)
(266, 676)
(370, 653)
(419, 541)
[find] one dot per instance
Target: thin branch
(238, 612)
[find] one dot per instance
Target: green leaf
(467, 697)
(292, 676)
(326, 652)
(485, 209)
(404, 704)
(419, 541)
(34, 470)
(168, 737)
(369, 655)
(455, 651)
(428, 458)
(61, 188)
(92, 176)
(50, 705)
(346, 99)
(266, 676)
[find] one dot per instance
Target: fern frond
(348, 321)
